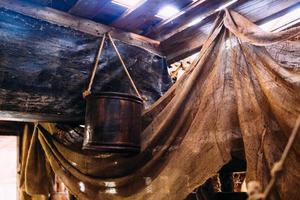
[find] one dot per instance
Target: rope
(88, 91)
(278, 166)
(124, 66)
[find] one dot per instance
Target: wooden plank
(190, 40)
(198, 12)
(128, 12)
(102, 11)
(36, 117)
(63, 5)
(144, 14)
(87, 8)
(168, 27)
(194, 5)
(187, 43)
(80, 24)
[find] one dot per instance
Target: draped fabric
(245, 85)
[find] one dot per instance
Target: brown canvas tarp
(245, 85)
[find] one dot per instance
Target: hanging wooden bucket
(113, 123)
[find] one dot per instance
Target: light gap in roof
(167, 12)
(129, 3)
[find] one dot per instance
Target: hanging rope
(278, 166)
(124, 66)
(88, 91)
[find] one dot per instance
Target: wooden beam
(36, 117)
(84, 25)
(190, 40)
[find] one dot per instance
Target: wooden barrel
(113, 123)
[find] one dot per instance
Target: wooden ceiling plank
(184, 24)
(133, 20)
(84, 25)
(144, 13)
(129, 11)
(88, 8)
(194, 5)
(185, 44)
(180, 45)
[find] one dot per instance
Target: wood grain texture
(80, 24)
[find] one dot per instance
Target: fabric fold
(236, 96)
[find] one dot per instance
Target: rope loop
(88, 90)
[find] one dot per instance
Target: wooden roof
(172, 37)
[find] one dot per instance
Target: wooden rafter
(190, 40)
(84, 25)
